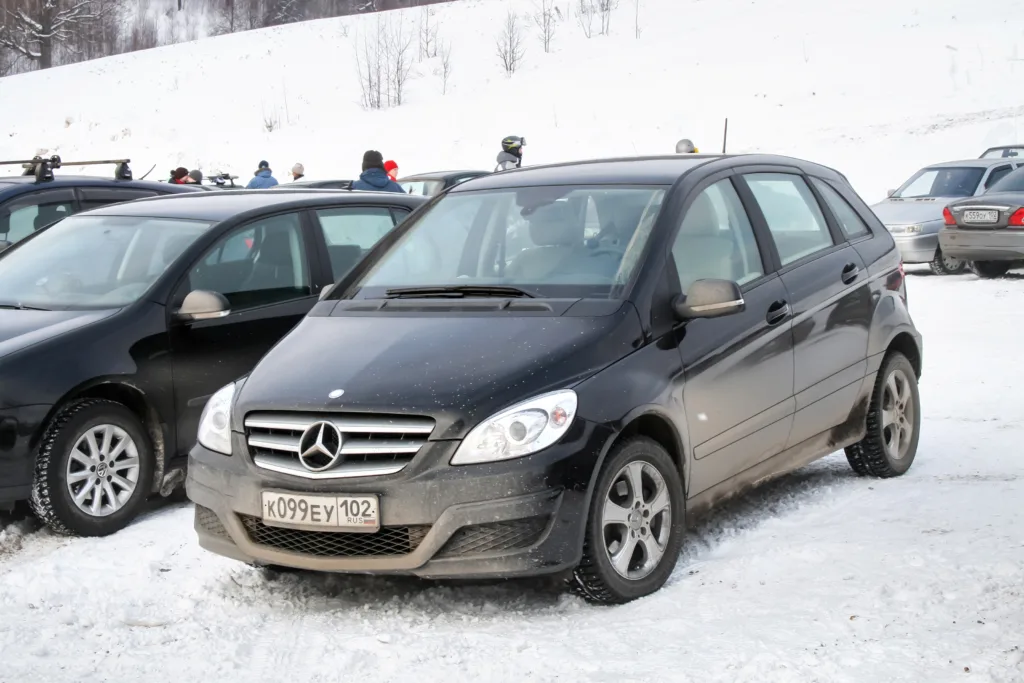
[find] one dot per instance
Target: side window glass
(996, 175)
(792, 213)
(716, 240)
(849, 222)
(351, 232)
(23, 216)
(93, 198)
(259, 264)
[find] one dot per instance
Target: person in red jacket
(179, 176)
(391, 168)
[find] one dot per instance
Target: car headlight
(523, 429)
(215, 424)
(913, 229)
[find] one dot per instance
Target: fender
(890, 320)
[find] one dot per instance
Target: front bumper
(917, 248)
(516, 518)
(983, 245)
(20, 429)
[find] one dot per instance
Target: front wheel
(946, 265)
(990, 269)
(94, 469)
(635, 526)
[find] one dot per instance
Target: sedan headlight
(913, 229)
(523, 429)
(215, 424)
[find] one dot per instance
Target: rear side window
(350, 232)
(849, 222)
(996, 175)
(793, 215)
(28, 213)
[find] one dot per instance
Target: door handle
(850, 273)
(777, 312)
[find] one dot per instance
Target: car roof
(970, 163)
(651, 170)
(220, 206)
(440, 175)
(87, 180)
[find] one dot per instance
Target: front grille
(494, 537)
(371, 445)
(389, 541)
(207, 520)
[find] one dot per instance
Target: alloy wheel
(103, 470)
(897, 414)
(636, 520)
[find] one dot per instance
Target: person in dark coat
(374, 178)
(263, 179)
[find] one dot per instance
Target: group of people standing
(379, 175)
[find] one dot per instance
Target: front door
(263, 269)
(738, 369)
(827, 285)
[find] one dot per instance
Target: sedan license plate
(981, 216)
(341, 512)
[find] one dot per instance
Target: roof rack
(43, 169)
(222, 178)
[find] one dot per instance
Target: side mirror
(203, 305)
(889, 193)
(4, 245)
(709, 299)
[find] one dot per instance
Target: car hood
(909, 211)
(457, 369)
(22, 329)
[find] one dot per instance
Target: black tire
(870, 457)
(595, 579)
(51, 499)
(990, 269)
(941, 265)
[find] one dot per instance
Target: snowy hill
(875, 88)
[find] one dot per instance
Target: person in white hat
(298, 172)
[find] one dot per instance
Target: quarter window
(259, 264)
(793, 215)
(351, 232)
(25, 215)
(849, 221)
(716, 240)
(996, 175)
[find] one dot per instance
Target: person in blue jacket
(263, 178)
(374, 178)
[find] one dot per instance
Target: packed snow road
(818, 576)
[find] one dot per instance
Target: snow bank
(876, 88)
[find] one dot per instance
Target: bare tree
(446, 66)
(397, 47)
(510, 44)
(6, 61)
(636, 18)
(37, 28)
(604, 10)
(585, 16)
(545, 20)
(428, 34)
(370, 65)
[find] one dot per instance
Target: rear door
(827, 287)
(265, 270)
(738, 369)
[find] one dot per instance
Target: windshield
(422, 188)
(1011, 182)
(942, 182)
(563, 241)
(1003, 153)
(87, 262)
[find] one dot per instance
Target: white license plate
(341, 512)
(981, 216)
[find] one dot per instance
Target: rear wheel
(946, 265)
(635, 526)
(893, 422)
(990, 269)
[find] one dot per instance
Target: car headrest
(701, 218)
(555, 225)
(275, 250)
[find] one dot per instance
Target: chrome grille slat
(372, 445)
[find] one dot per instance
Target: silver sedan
(913, 213)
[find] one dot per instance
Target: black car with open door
(117, 324)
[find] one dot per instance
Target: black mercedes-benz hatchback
(117, 324)
(554, 369)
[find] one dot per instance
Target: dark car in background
(988, 231)
(430, 184)
(40, 198)
(117, 324)
(494, 393)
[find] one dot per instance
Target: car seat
(273, 267)
(557, 233)
(703, 249)
(48, 214)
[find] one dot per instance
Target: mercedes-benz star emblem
(320, 446)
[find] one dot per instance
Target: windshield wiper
(457, 291)
(22, 307)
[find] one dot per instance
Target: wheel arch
(905, 343)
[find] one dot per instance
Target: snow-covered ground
(876, 88)
(819, 576)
